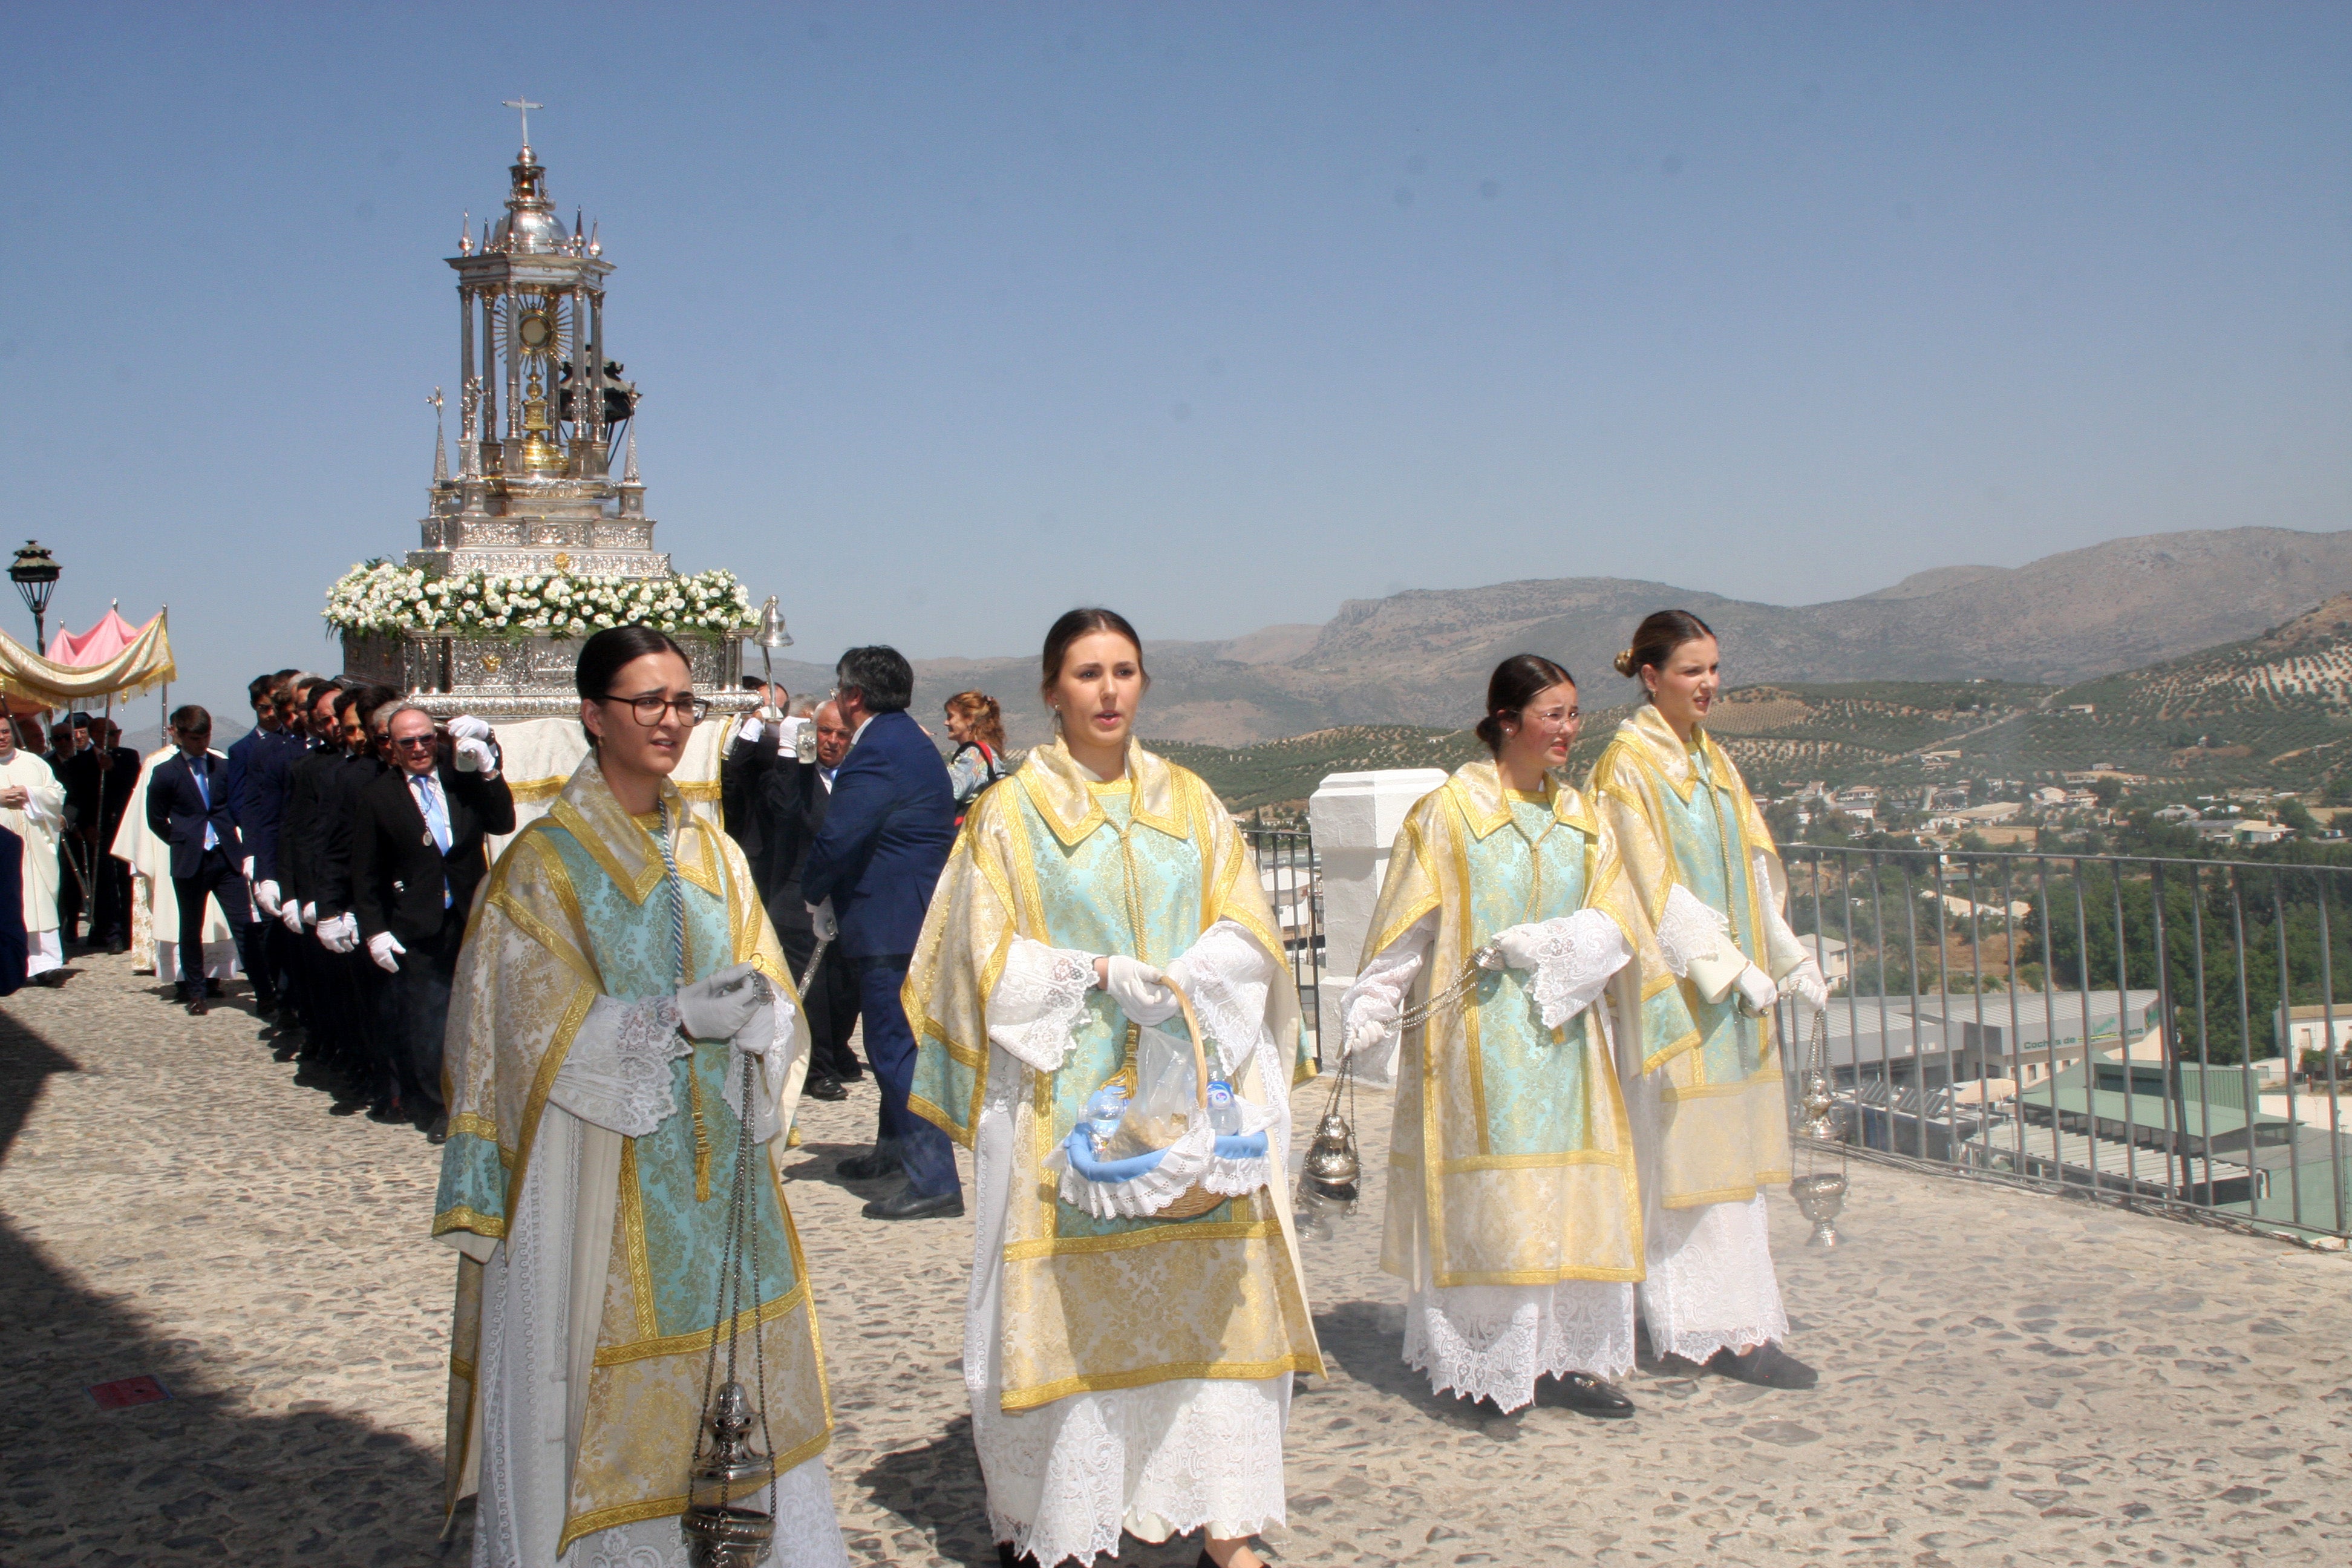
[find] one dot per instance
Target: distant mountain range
(1420, 658)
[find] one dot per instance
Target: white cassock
(150, 860)
(37, 823)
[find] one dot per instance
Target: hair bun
(1624, 664)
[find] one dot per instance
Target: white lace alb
(1493, 1342)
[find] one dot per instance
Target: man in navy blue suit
(870, 877)
(258, 766)
(188, 808)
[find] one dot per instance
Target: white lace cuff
(1227, 974)
(1689, 932)
(1034, 1010)
(1575, 956)
(617, 1074)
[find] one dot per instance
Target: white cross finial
(524, 105)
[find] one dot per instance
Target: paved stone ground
(2012, 1378)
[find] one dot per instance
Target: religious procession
(1083, 987)
(543, 873)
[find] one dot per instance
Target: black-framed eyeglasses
(651, 707)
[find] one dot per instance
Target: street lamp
(35, 572)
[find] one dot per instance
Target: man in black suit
(418, 852)
(188, 808)
(322, 1014)
(73, 757)
(783, 801)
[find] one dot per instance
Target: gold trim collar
(1485, 805)
(1655, 742)
(1062, 791)
(620, 845)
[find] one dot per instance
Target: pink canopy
(96, 646)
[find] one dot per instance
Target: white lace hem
(617, 1074)
(1711, 1284)
(1040, 997)
(1689, 932)
(1574, 957)
(1493, 1342)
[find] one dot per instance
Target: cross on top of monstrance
(524, 105)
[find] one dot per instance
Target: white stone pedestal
(1355, 818)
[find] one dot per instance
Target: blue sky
(951, 316)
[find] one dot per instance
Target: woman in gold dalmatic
(618, 976)
(1709, 1114)
(1127, 1369)
(1513, 1212)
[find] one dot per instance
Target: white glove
(264, 893)
(1521, 945)
(248, 867)
(788, 733)
(380, 947)
(717, 1007)
(1140, 990)
(475, 756)
(466, 726)
(1373, 1021)
(339, 934)
(821, 922)
(1757, 988)
(309, 911)
(289, 915)
(1806, 983)
(750, 729)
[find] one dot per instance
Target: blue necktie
(436, 818)
(212, 839)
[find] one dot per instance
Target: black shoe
(871, 1166)
(1005, 1559)
(908, 1203)
(52, 978)
(212, 988)
(1585, 1392)
(824, 1088)
(438, 1133)
(197, 1008)
(1766, 1367)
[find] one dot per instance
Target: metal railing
(1293, 881)
(2162, 1030)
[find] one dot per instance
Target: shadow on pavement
(26, 1060)
(193, 1479)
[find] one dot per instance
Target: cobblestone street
(2008, 1378)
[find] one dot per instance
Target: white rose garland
(380, 596)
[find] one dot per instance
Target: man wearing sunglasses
(418, 851)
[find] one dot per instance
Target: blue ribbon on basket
(1080, 1149)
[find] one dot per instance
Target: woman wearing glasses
(1128, 1370)
(1705, 1090)
(619, 976)
(1514, 1216)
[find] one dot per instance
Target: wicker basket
(1196, 1200)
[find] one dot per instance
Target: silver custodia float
(541, 408)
